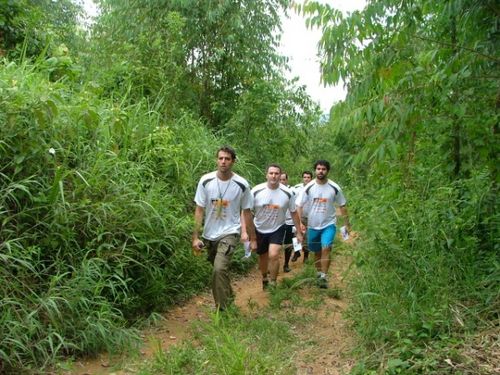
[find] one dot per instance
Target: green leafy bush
(96, 217)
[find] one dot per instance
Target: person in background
(306, 178)
(221, 197)
(271, 201)
(322, 195)
(289, 227)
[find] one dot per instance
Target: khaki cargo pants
(219, 253)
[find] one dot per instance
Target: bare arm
(345, 214)
(244, 232)
(250, 228)
(197, 244)
(301, 227)
(297, 223)
(299, 211)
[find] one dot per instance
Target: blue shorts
(318, 239)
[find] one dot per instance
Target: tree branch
(493, 58)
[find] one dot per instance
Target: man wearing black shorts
(289, 228)
(306, 178)
(271, 201)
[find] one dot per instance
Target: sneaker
(286, 269)
(296, 255)
(323, 283)
(265, 284)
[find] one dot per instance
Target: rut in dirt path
(323, 330)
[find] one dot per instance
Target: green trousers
(219, 253)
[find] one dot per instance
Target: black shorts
(264, 239)
(288, 234)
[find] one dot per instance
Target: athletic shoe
(296, 255)
(286, 269)
(265, 284)
(323, 283)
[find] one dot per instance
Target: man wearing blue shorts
(321, 196)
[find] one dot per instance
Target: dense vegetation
(105, 133)
(417, 139)
(102, 143)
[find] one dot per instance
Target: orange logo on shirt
(272, 206)
(321, 200)
(220, 203)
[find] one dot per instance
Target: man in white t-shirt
(306, 178)
(271, 201)
(289, 227)
(221, 197)
(322, 195)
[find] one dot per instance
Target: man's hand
(302, 228)
(253, 245)
(244, 237)
(299, 236)
(197, 246)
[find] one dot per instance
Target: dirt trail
(329, 331)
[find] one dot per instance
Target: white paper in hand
(248, 251)
(344, 232)
(297, 246)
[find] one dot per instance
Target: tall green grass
(428, 271)
(261, 341)
(230, 344)
(95, 215)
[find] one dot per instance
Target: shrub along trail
(312, 335)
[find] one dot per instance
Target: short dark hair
(286, 174)
(324, 163)
(307, 172)
(227, 149)
(273, 165)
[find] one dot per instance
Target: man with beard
(271, 201)
(322, 195)
(221, 197)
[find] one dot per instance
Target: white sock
(322, 275)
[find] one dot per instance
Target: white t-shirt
(288, 216)
(270, 206)
(298, 189)
(223, 202)
(322, 199)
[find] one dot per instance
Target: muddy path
(329, 332)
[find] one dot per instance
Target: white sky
(299, 44)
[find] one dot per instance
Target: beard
(321, 176)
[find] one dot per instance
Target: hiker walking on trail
(271, 201)
(306, 178)
(221, 196)
(322, 195)
(289, 227)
